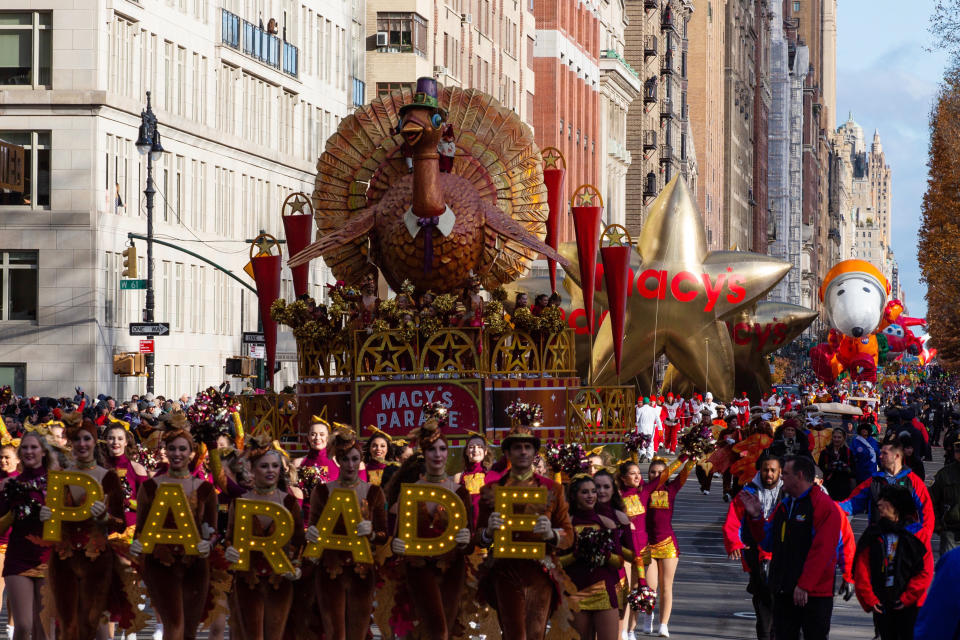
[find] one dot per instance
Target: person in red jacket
(893, 568)
(739, 542)
(802, 537)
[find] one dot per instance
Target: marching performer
(435, 583)
(476, 469)
(648, 422)
(346, 588)
(671, 423)
(663, 547)
(84, 571)
(377, 455)
(119, 446)
(260, 601)
(595, 572)
(524, 592)
(25, 565)
(180, 586)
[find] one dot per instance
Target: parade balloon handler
(892, 568)
(802, 537)
(740, 544)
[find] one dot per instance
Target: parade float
(443, 196)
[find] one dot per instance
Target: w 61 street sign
(127, 285)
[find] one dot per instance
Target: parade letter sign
(244, 540)
(169, 502)
(411, 495)
(504, 501)
(57, 481)
(341, 505)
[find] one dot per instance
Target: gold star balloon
(756, 332)
(675, 302)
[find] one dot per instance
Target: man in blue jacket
(939, 618)
(866, 451)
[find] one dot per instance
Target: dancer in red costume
(636, 493)
(524, 592)
(663, 548)
(378, 455)
(476, 469)
(597, 586)
(26, 563)
(180, 586)
(673, 410)
(610, 505)
(261, 600)
(435, 583)
(85, 574)
(119, 446)
(346, 588)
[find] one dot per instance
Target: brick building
(658, 125)
(706, 33)
(762, 97)
(566, 106)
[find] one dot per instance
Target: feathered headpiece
(344, 440)
(434, 418)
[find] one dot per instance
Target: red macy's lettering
(685, 287)
(743, 333)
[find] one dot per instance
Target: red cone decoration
(298, 231)
(554, 172)
(616, 276)
(266, 274)
(586, 226)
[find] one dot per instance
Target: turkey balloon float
(854, 294)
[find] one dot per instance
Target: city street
(710, 600)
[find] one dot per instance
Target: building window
(14, 375)
(36, 160)
(26, 48)
(18, 285)
(386, 88)
(405, 32)
(796, 6)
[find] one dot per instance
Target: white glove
(313, 534)
(206, 531)
(730, 441)
(97, 509)
(364, 528)
(398, 546)
(462, 536)
(45, 513)
(231, 555)
(203, 548)
(494, 523)
(136, 548)
(293, 575)
(543, 528)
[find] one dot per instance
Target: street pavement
(710, 598)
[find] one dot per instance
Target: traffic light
(130, 262)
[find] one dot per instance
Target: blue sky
(888, 79)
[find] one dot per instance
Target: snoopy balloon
(854, 294)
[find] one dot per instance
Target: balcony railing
(666, 108)
(649, 140)
(649, 46)
(255, 42)
(612, 54)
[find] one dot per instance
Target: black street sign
(149, 328)
(253, 337)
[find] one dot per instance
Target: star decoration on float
(677, 300)
(586, 199)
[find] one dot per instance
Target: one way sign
(149, 328)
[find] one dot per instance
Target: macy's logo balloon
(762, 336)
(658, 284)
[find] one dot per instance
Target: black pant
(813, 619)
(762, 604)
(896, 624)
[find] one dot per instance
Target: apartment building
(245, 92)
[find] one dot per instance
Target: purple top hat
(425, 96)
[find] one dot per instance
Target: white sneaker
(627, 635)
(664, 632)
(646, 624)
(158, 632)
(10, 631)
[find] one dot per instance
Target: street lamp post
(148, 144)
